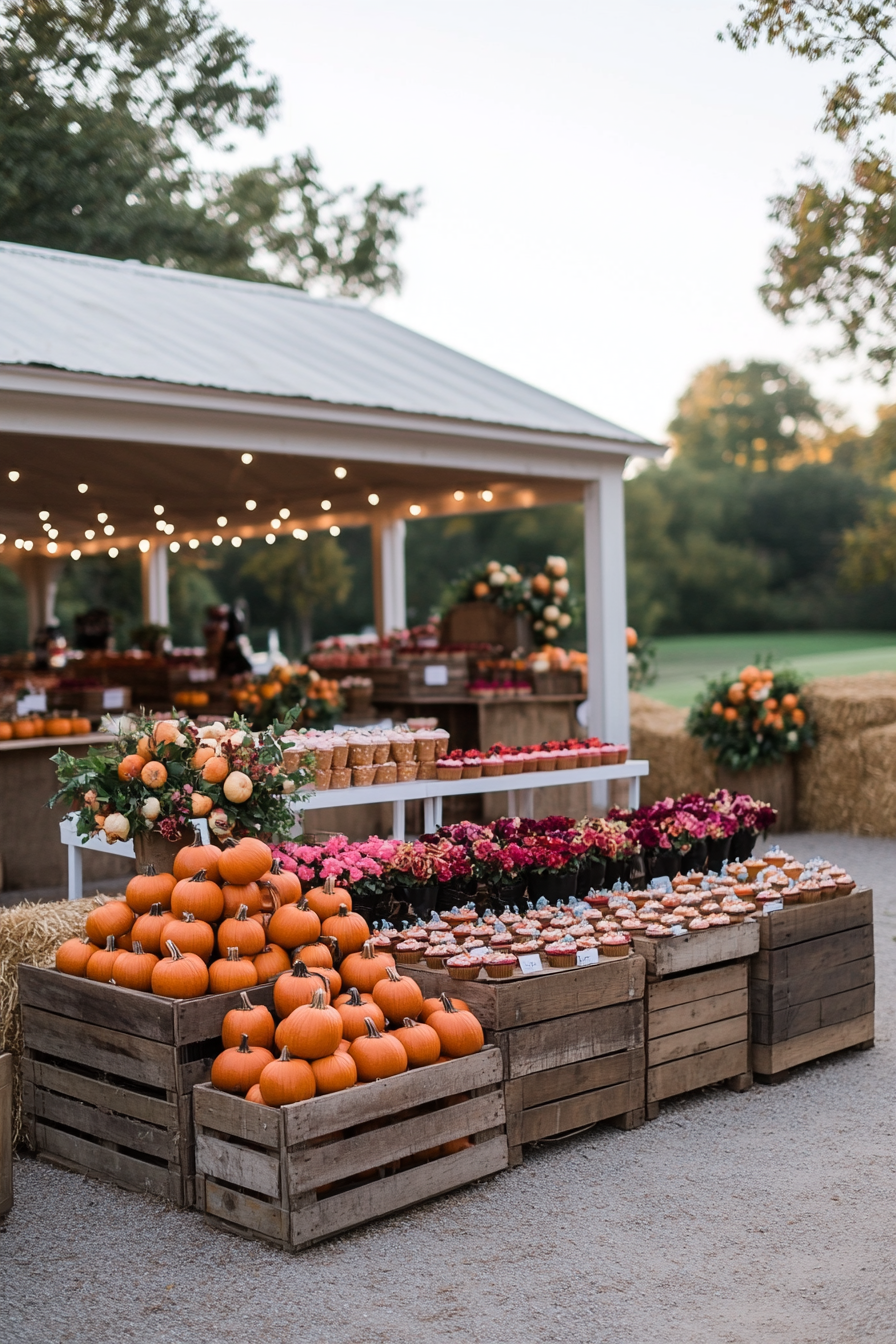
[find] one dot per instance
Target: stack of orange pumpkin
(330, 1044)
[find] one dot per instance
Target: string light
(143, 547)
(458, 495)
(13, 475)
(270, 538)
(216, 540)
(53, 533)
(300, 534)
(275, 522)
(19, 543)
(415, 509)
(28, 545)
(158, 509)
(236, 541)
(46, 527)
(284, 513)
(169, 528)
(101, 517)
(76, 555)
(193, 544)
(373, 499)
(246, 459)
(161, 524)
(43, 515)
(109, 530)
(51, 547)
(340, 473)
(113, 551)
(90, 534)
(2, 538)
(174, 547)
(334, 531)
(326, 505)
(250, 504)
(222, 521)
(486, 495)
(82, 490)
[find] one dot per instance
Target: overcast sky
(595, 178)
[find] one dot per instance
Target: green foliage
(748, 725)
(836, 261)
(13, 612)
(296, 577)
(102, 103)
(101, 581)
(641, 664)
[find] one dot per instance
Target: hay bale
(828, 785)
(678, 763)
(876, 799)
(846, 705)
(31, 932)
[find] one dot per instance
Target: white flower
(552, 613)
(492, 567)
(561, 587)
(551, 632)
(556, 566)
(564, 620)
(497, 578)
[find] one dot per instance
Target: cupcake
(562, 953)
(387, 773)
(754, 867)
(566, 760)
(323, 757)
(793, 869)
(381, 748)
(657, 931)
(584, 943)
(845, 885)
(530, 763)
(501, 941)
(442, 738)
(526, 946)
(809, 892)
(718, 921)
(363, 775)
(407, 952)
(360, 751)
(499, 965)
(340, 779)
(492, 767)
(828, 888)
(401, 747)
(340, 753)
(696, 925)
(472, 767)
(545, 760)
(512, 763)
(616, 944)
(670, 921)
(633, 925)
(322, 780)
(425, 747)
(609, 755)
(463, 967)
(437, 955)
(448, 770)
(406, 772)
(426, 770)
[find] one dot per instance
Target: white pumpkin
(237, 787)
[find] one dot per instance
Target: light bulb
(53, 532)
(169, 528)
(174, 547)
(373, 499)
(250, 504)
(236, 541)
(144, 546)
(275, 522)
(246, 459)
(2, 538)
(76, 555)
(13, 475)
(19, 543)
(222, 521)
(46, 527)
(160, 524)
(90, 534)
(193, 544)
(43, 515)
(82, 490)
(340, 473)
(101, 517)
(216, 540)
(284, 513)
(326, 505)
(487, 496)
(334, 532)
(51, 547)
(300, 534)
(109, 530)
(270, 538)
(113, 551)
(158, 509)
(28, 545)
(458, 495)
(415, 509)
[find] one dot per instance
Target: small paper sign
(587, 956)
(661, 884)
(435, 674)
(33, 704)
(113, 698)
(773, 905)
(529, 963)
(677, 930)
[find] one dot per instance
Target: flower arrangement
(641, 658)
(693, 830)
(753, 719)
(288, 687)
(157, 775)
(361, 867)
(544, 598)
(494, 582)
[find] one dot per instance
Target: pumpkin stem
(447, 1004)
(284, 1053)
(299, 968)
(243, 912)
(176, 953)
(156, 909)
(276, 867)
(200, 875)
(368, 950)
(329, 885)
(343, 911)
(138, 948)
(409, 1022)
(372, 1033)
(317, 999)
(149, 870)
(229, 843)
(244, 1046)
(392, 973)
(188, 917)
(354, 998)
(233, 954)
(110, 942)
(197, 840)
(303, 904)
(245, 1001)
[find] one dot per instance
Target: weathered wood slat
(772, 1059)
(109, 1096)
(5, 1133)
(588, 1075)
(100, 1048)
(548, 1045)
(772, 996)
(805, 1017)
(526, 999)
(670, 956)
(685, 1075)
(258, 1172)
(92, 1159)
(679, 989)
(710, 1036)
(262, 1125)
(797, 923)
(163, 1144)
(568, 1113)
(312, 1167)
(686, 1016)
(818, 956)
(246, 1214)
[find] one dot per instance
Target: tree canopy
(836, 261)
(102, 106)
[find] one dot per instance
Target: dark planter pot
(695, 858)
(717, 852)
(592, 875)
(742, 843)
(617, 871)
(554, 887)
(459, 894)
(637, 872)
(661, 862)
(510, 895)
(422, 901)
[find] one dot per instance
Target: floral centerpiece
(155, 776)
(361, 867)
(756, 718)
(546, 600)
(288, 688)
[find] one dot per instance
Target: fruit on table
(250, 1019)
(150, 888)
(238, 1068)
(179, 975)
(376, 1055)
(231, 972)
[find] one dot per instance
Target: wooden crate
(706, 947)
(5, 1133)
(108, 1073)
(812, 983)
(572, 1042)
(303, 1173)
(697, 1032)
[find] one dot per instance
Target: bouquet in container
(755, 718)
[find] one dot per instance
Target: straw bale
(829, 783)
(876, 800)
(678, 763)
(847, 705)
(31, 932)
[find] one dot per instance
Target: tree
(758, 417)
(296, 577)
(837, 259)
(102, 103)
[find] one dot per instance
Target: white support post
(389, 596)
(154, 573)
(398, 823)
(605, 607)
(40, 577)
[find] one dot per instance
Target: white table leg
(430, 807)
(600, 796)
(527, 802)
(634, 792)
(511, 803)
(75, 873)
(398, 819)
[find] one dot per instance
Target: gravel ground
(731, 1219)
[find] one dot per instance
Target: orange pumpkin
(102, 962)
(311, 1032)
(294, 925)
(149, 888)
(254, 1094)
(239, 1067)
(377, 1056)
(249, 895)
(334, 1073)
(459, 1032)
(166, 730)
(286, 885)
(231, 972)
(215, 770)
(154, 774)
(332, 977)
(190, 934)
(73, 955)
(133, 970)
(326, 900)
(81, 725)
(249, 1019)
(398, 995)
(421, 1042)
(431, 1006)
(271, 962)
(189, 860)
(179, 975)
(286, 1081)
(293, 989)
(200, 896)
(114, 917)
(145, 749)
(148, 928)
(355, 1012)
(130, 767)
(200, 756)
(241, 932)
(243, 861)
(200, 804)
(350, 930)
(315, 954)
(362, 970)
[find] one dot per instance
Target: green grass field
(684, 664)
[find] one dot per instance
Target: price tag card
(113, 698)
(661, 884)
(33, 704)
(530, 963)
(773, 905)
(587, 956)
(678, 930)
(435, 674)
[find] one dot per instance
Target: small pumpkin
(377, 1056)
(315, 954)
(245, 860)
(250, 1019)
(271, 962)
(200, 756)
(362, 970)
(398, 995)
(295, 988)
(294, 925)
(241, 932)
(459, 1032)
(326, 900)
(133, 970)
(166, 730)
(81, 725)
(239, 1067)
(287, 1080)
(254, 1094)
(248, 894)
(199, 896)
(200, 804)
(215, 769)
(287, 885)
(431, 1006)
(334, 1073)
(179, 975)
(313, 1031)
(332, 977)
(231, 972)
(192, 858)
(190, 935)
(154, 775)
(148, 928)
(145, 748)
(237, 787)
(130, 766)
(355, 1013)
(102, 963)
(73, 955)
(350, 930)
(421, 1042)
(114, 917)
(149, 888)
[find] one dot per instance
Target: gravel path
(731, 1219)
